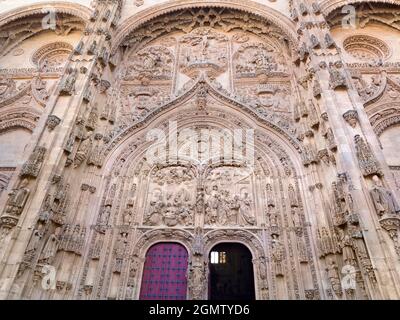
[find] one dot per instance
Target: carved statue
(91, 122)
(245, 210)
(83, 151)
(104, 215)
(119, 252)
(31, 250)
(50, 249)
(346, 245)
(32, 167)
(128, 215)
(277, 256)
(368, 163)
(155, 216)
(273, 216)
(337, 78)
(333, 276)
(196, 281)
(68, 84)
(233, 213)
(198, 242)
(18, 198)
(384, 200)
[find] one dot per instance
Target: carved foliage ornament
(366, 48)
(52, 56)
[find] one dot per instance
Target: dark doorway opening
(231, 273)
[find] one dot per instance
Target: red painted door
(165, 273)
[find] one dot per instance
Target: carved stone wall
(200, 123)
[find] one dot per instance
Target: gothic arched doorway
(164, 273)
(231, 273)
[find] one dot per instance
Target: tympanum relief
(174, 192)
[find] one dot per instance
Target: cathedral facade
(196, 150)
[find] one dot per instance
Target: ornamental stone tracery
(129, 114)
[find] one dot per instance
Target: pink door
(164, 273)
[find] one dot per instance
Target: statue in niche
(31, 250)
(128, 215)
(198, 242)
(233, 213)
(196, 280)
(83, 151)
(32, 167)
(333, 276)
(133, 270)
(384, 200)
(119, 252)
(40, 87)
(368, 163)
(91, 121)
(68, 85)
(18, 198)
(277, 256)
(245, 210)
(50, 249)
(296, 217)
(212, 209)
(273, 216)
(105, 215)
(346, 245)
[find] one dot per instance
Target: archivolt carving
(270, 121)
(383, 106)
(15, 32)
(328, 6)
(149, 238)
(252, 241)
(373, 11)
(52, 56)
(367, 48)
(61, 7)
(19, 118)
(206, 14)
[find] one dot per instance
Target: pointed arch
(246, 7)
